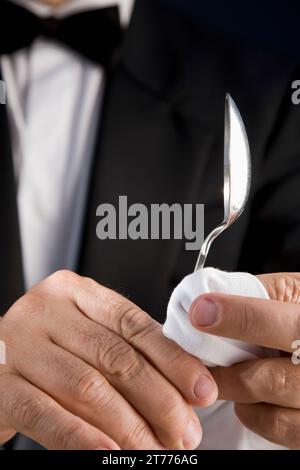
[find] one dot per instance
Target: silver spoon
(237, 174)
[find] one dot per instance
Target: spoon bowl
(237, 175)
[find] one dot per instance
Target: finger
(268, 323)
(6, 436)
(173, 421)
(121, 316)
(274, 381)
(30, 411)
(278, 425)
(282, 286)
(82, 390)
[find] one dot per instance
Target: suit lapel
(11, 276)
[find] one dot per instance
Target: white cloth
(222, 429)
(53, 99)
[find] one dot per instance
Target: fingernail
(204, 387)
(193, 435)
(205, 312)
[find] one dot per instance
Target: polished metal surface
(237, 174)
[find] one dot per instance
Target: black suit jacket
(161, 140)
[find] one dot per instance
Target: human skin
(52, 2)
(88, 369)
(266, 392)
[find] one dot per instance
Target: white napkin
(222, 429)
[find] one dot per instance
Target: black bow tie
(96, 34)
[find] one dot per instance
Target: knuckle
(67, 436)
(136, 437)
(279, 427)
(121, 360)
(182, 359)
(62, 278)
(284, 383)
(264, 379)
(287, 288)
(88, 387)
(90, 283)
(173, 410)
(246, 320)
(277, 380)
(134, 324)
(249, 380)
(28, 412)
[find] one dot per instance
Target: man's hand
(88, 369)
(266, 391)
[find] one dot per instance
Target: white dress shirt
(53, 99)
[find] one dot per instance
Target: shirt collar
(75, 6)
